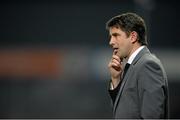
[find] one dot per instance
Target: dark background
(76, 85)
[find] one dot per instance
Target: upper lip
(115, 48)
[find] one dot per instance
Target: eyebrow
(115, 34)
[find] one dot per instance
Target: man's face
(120, 42)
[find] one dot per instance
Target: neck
(134, 48)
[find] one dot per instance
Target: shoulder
(151, 71)
(149, 60)
(145, 57)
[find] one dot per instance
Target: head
(127, 33)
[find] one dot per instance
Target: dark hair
(129, 22)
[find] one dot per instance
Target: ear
(134, 36)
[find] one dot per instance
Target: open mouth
(115, 50)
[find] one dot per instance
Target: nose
(111, 42)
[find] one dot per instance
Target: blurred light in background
(31, 62)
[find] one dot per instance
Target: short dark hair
(129, 22)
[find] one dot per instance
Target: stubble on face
(120, 43)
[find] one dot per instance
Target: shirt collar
(131, 58)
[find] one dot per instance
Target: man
(140, 91)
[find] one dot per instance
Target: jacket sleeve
(151, 86)
(113, 93)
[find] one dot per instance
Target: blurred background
(54, 55)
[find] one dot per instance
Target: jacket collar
(145, 50)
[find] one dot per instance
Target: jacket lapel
(145, 50)
(121, 87)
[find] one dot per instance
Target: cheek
(124, 46)
(120, 42)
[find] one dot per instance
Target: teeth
(115, 51)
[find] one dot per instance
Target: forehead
(115, 30)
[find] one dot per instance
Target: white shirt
(131, 58)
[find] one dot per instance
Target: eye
(115, 34)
